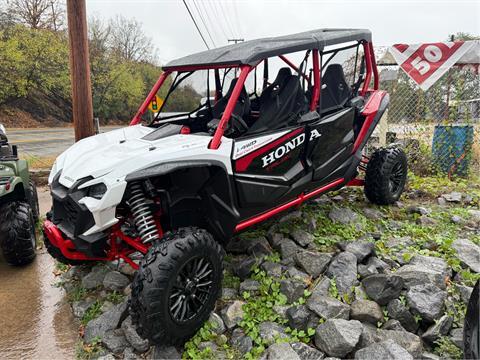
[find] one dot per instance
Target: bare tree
(98, 34)
(38, 14)
(128, 39)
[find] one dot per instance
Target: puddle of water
(36, 322)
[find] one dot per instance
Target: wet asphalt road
(44, 142)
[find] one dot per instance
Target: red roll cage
(370, 67)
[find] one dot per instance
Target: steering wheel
(236, 126)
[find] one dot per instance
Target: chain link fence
(440, 127)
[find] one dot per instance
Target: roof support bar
(316, 81)
(217, 137)
(294, 67)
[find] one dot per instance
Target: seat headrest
(283, 73)
(335, 71)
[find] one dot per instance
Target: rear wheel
(386, 175)
(176, 286)
(17, 233)
(471, 335)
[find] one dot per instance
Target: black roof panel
(252, 51)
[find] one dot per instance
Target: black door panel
(331, 142)
(269, 169)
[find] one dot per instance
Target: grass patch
(88, 351)
(93, 312)
(445, 348)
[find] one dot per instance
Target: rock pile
(351, 301)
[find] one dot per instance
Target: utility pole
(235, 41)
(80, 69)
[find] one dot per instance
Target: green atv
(19, 209)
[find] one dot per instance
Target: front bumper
(65, 245)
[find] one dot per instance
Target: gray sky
(169, 25)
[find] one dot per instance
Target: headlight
(97, 191)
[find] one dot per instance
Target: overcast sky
(167, 21)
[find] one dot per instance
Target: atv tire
(17, 233)
(34, 201)
(471, 334)
(386, 175)
(176, 286)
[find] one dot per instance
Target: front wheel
(17, 233)
(176, 286)
(386, 175)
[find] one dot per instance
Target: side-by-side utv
(282, 120)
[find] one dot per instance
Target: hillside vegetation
(35, 83)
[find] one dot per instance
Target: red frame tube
(297, 201)
(138, 116)
(217, 137)
(316, 81)
(293, 66)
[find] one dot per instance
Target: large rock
(468, 253)
(298, 317)
(392, 324)
(270, 332)
(372, 213)
(438, 329)
(427, 300)
(79, 308)
(307, 352)
(296, 274)
(343, 269)
(95, 278)
(418, 274)
(410, 342)
(380, 265)
(138, 343)
(321, 287)
(218, 326)
(398, 311)
(398, 243)
(302, 237)
(288, 248)
(366, 311)
(115, 341)
(385, 350)
(327, 307)
(243, 267)
(361, 249)
(314, 263)
(115, 281)
(292, 289)
(109, 320)
(456, 335)
(272, 269)
(370, 335)
(249, 285)
(454, 196)
(241, 342)
(338, 337)
(343, 215)
(382, 287)
(282, 351)
(233, 314)
(165, 352)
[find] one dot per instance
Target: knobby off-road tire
(17, 233)
(471, 334)
(176, 286)
(34, 201)
(386, 175)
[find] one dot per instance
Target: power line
(219, 21)
(205, 10)
(196, 25)
(204, 23)
(226, 19)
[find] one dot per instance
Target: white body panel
(111, 156)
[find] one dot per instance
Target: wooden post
(80, 70)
